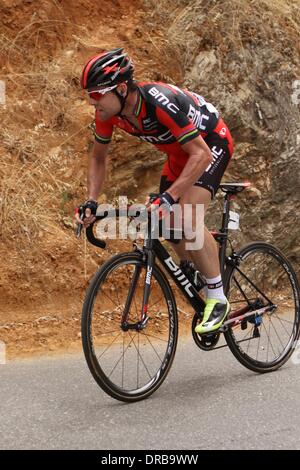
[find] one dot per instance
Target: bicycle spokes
(130, 348)
(263, 318)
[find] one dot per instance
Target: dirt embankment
(45, 141)
(241, 55)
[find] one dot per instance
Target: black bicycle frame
(180, 279)
(155, 248)
(152, 249)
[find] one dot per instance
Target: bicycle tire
(244, 359)
(95, 368)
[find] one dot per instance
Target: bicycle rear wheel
(128, 365)
(264, 277)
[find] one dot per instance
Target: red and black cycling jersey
(169, 117)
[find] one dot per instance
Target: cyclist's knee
(196, 195)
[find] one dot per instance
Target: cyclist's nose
(92, 102)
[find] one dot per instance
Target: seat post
(224, 230)
(226, 209)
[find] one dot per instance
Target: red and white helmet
(107, 69)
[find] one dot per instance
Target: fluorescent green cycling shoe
(214, 316)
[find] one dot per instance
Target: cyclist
(178, 122)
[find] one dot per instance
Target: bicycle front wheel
(263, 278)
(128, 365)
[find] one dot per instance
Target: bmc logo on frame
(180, 276)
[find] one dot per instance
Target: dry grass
(41, 138)
(230, 26)
(44, 138)
(38, 125)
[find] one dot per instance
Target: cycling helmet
(107, 69)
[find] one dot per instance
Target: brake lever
(79, 227)
(152, 197)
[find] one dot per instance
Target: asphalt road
(208, 401)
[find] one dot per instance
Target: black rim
(264, 277)
(129, 363)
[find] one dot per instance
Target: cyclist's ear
(122, 89)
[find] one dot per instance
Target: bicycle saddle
(234, 188)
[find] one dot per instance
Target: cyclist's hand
(163, 203)
(85, 214)
(149, 199)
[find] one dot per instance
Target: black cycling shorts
(212, 176)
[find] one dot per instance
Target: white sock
(214, 289)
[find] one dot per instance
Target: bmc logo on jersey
(161, 98)
(164, 138)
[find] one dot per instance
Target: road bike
(130, 314)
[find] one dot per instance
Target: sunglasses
(97, 94)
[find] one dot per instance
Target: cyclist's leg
(166, 180)
(206, 259)
(206, 256)
(203, 191)
(217, 306)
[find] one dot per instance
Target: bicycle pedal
(244, 325)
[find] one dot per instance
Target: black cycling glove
(166, 199)
(89, 204)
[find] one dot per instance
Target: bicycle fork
(147, 287)
(140, 325)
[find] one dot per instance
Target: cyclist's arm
(95, 179)
(96, 169)
(188, 136)
(199, 159)
(97, 161)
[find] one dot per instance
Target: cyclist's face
(107, 105)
